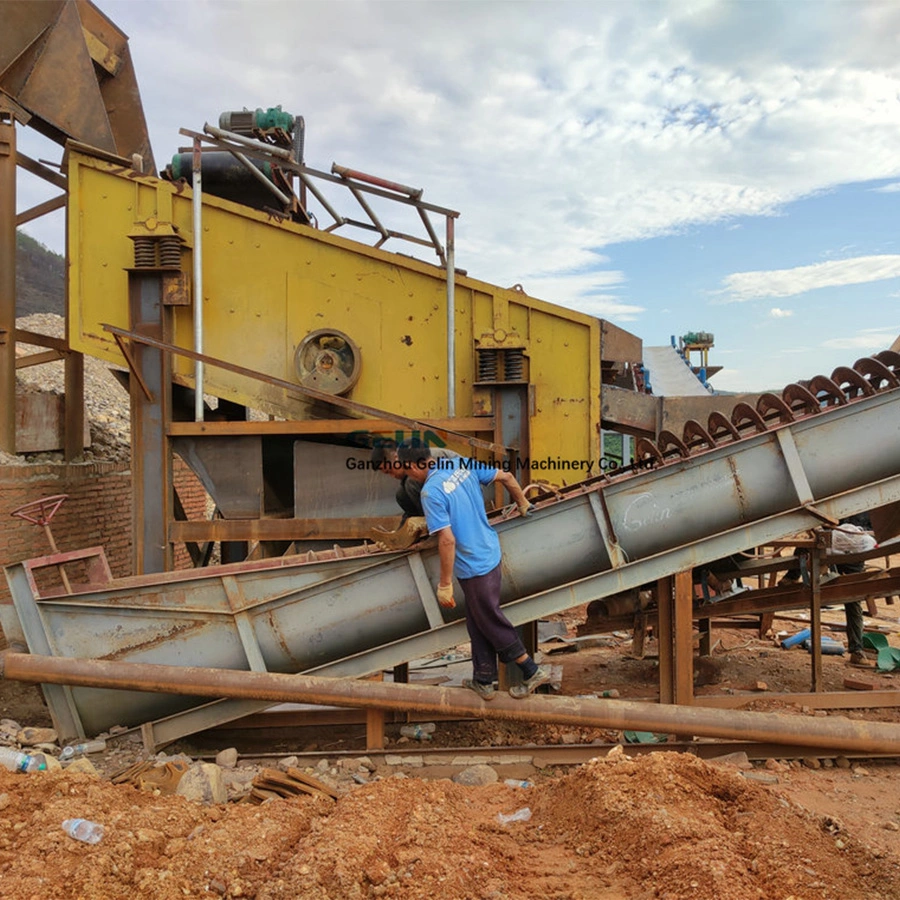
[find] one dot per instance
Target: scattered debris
(271, 784)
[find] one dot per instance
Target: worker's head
(384, 458)
(415, 459)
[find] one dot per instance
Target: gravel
(106, 401)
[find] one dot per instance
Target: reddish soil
(662, 825)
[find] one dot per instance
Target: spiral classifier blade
(868, 376)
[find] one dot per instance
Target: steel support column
(7, 280)
(73, 432)
(674, 597)
(664, 629)
(683, 638)
(151, 456)
(815, 616)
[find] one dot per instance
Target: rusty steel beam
(38, 359)
(35, 212)
(765, 600)
(279, 529)
(826, 733)
(7, 279)
(323, 426)
(884, 699)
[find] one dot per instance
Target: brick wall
(195, 501)
(97, 513)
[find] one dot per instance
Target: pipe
(829, 734)
(451, 317)
(259, 146)
(197, 204)
(355, 175)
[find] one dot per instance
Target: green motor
(248, 122)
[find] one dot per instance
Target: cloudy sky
(694, 165)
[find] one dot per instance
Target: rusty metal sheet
(40, 423)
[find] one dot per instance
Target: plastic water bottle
(16, 761)
(83, 830)
(520, 815)
(421, 732)
(79, 749)
(517, 783)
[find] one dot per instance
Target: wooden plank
(301, 776)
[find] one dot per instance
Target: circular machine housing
(327, 360)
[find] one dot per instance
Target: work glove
(445, 596)
(526, 509)
(412, 530)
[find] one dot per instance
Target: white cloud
(892, 188)
(870, 340)
(777, 313)
(743, 286)
(555, 128)
(608, 307)
(587, 292)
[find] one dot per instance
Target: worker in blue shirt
(470, 549)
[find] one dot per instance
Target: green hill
(40, 278)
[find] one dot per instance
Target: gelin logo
(644, 511)
(415, 438)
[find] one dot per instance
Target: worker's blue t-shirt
(452, 496)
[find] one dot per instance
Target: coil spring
(170, 252)
(487, 365)
(144, 253)
(514, 365)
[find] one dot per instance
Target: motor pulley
(327, 360)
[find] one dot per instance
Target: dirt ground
(659, 825)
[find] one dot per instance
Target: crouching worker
(470, 549)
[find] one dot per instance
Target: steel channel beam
(151, 458)
(61, 703)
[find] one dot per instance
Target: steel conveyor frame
(595, 539)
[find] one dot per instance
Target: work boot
(530, 685)
(860, 660)
(485, 691)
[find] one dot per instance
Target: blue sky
(671, 166)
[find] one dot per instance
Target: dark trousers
(855, 624)
(853, 612)
(490, 632)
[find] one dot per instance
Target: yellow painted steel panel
(268, 283)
